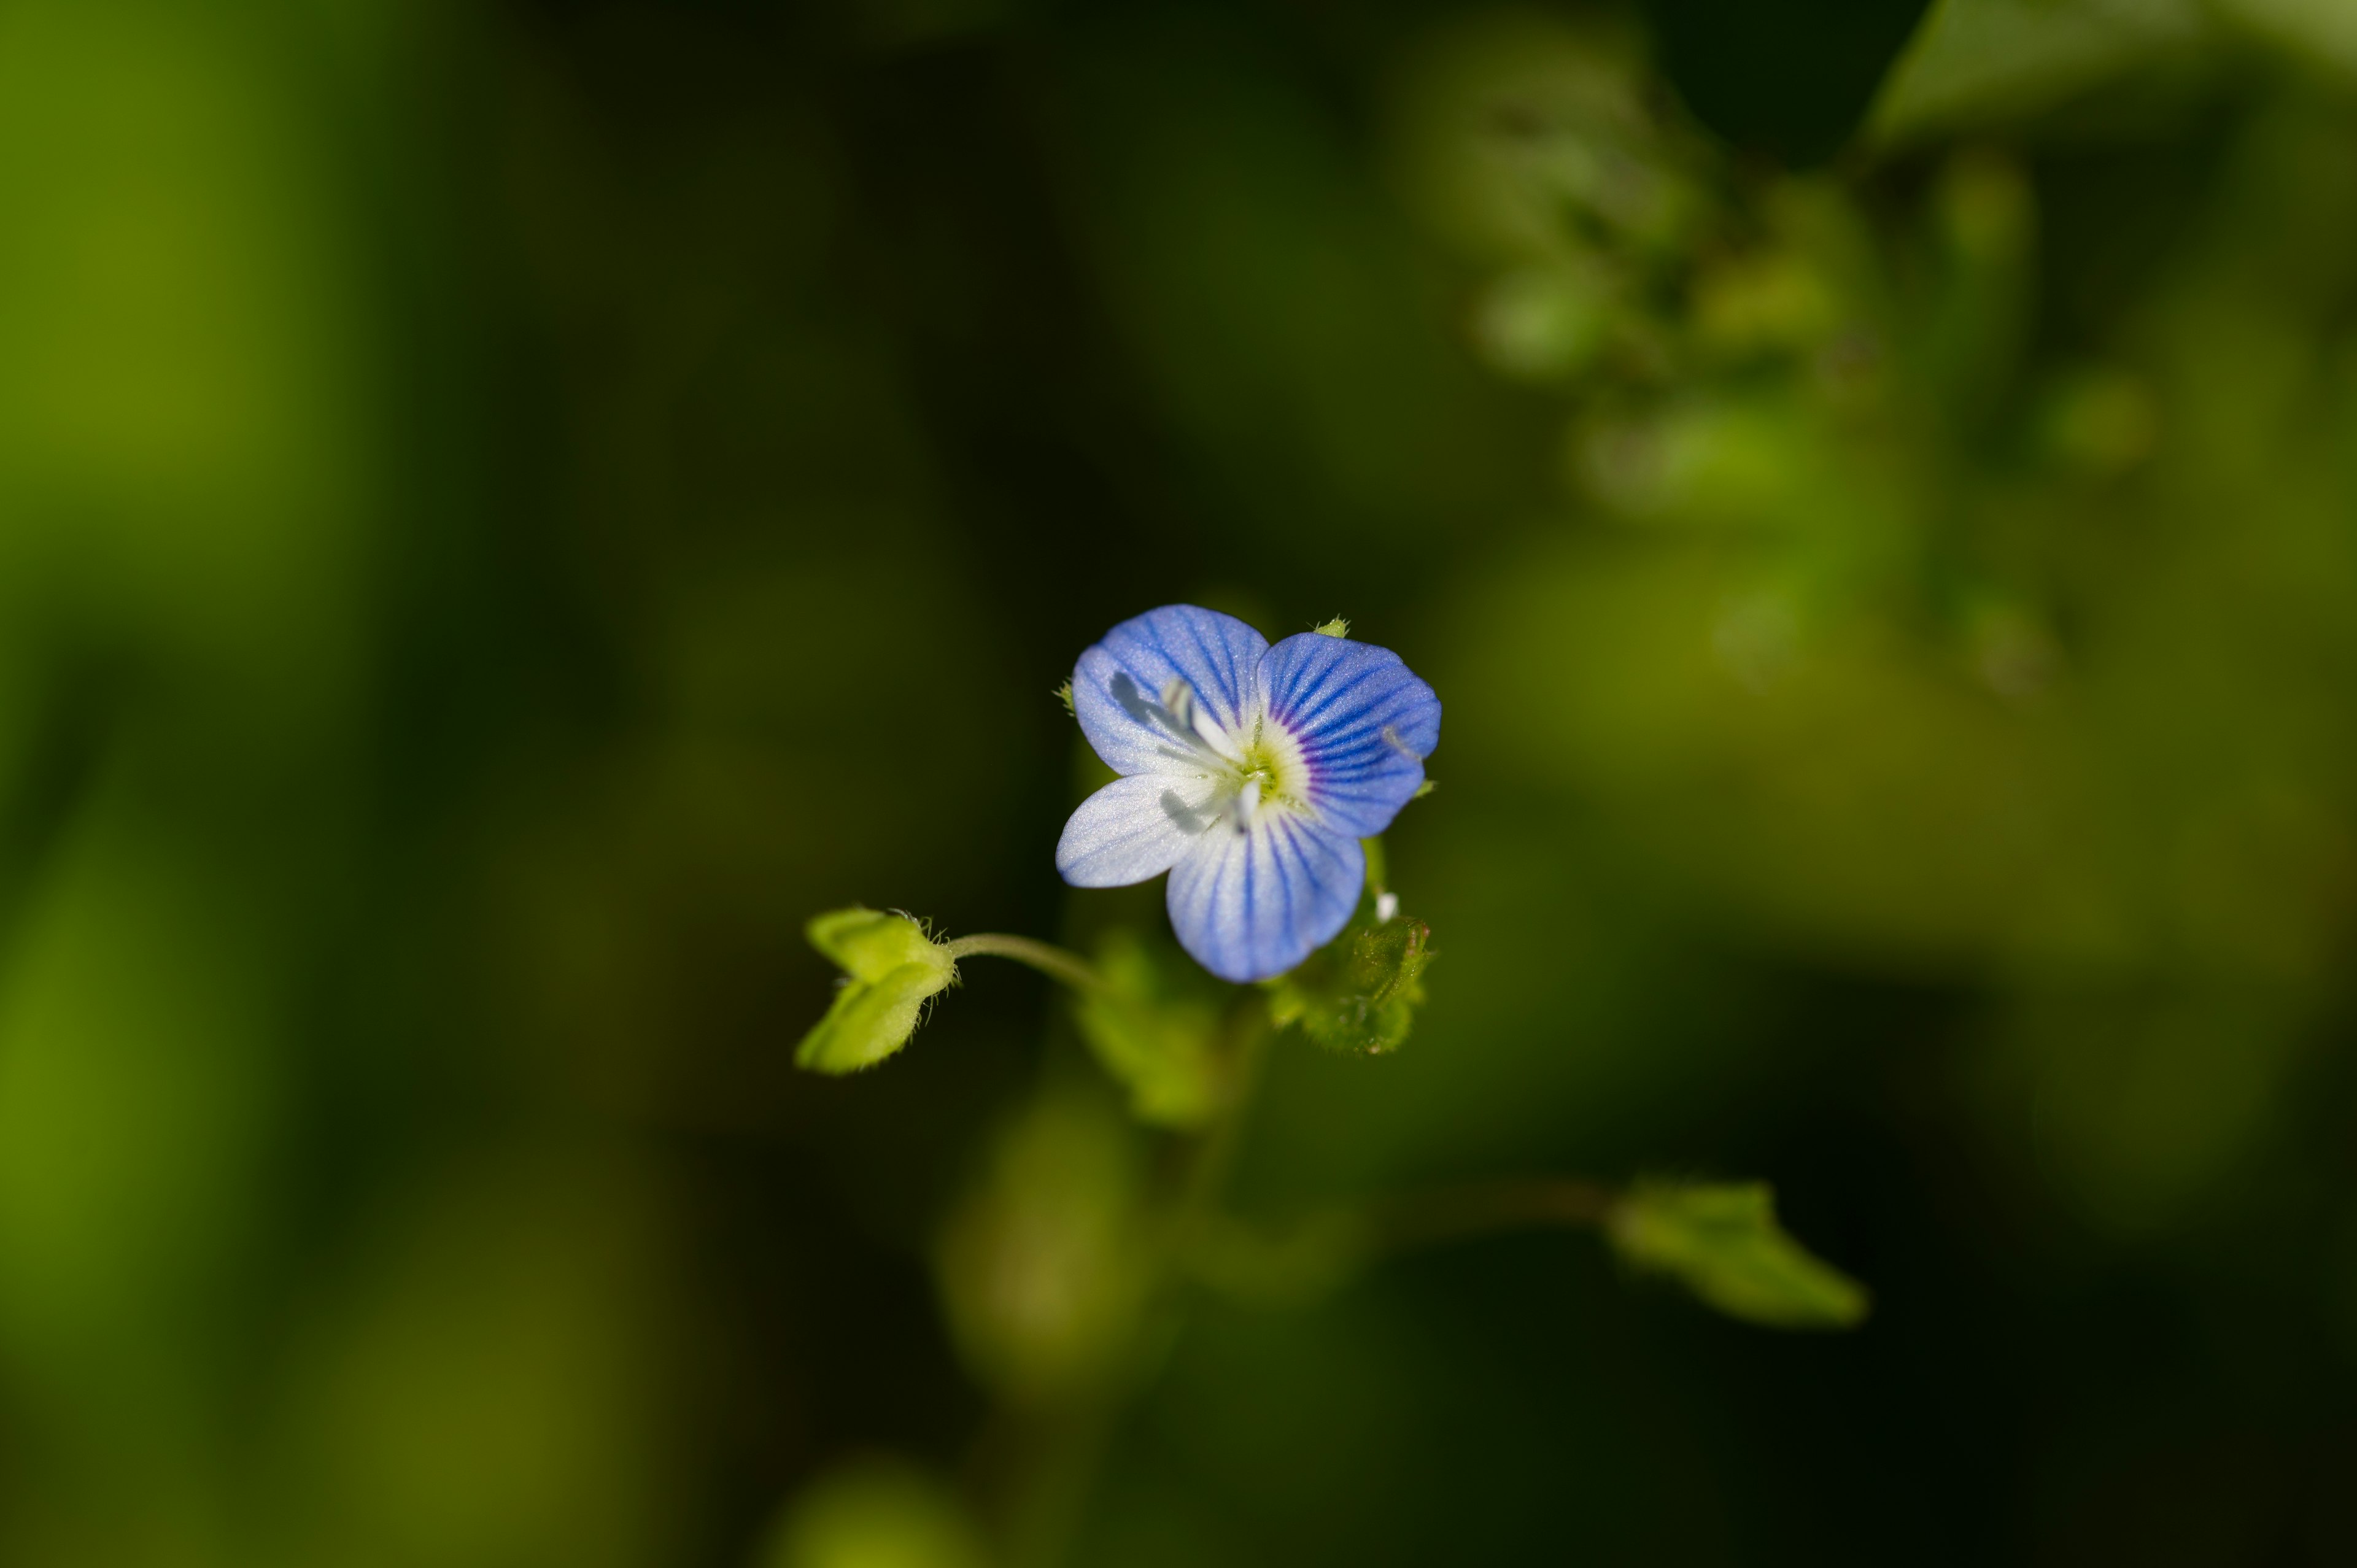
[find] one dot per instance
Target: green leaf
(1155, 1032)
(892, 967)
(1975, 63)
(1359, 992)
(1047, 1263)
(1722, 1242)
(876, 1512)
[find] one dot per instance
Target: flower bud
(892, 968)
(1723, 1243)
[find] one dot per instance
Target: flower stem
(1486, 1208)
(1312, 1256)
(1057, 963)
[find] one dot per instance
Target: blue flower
(1250, 773)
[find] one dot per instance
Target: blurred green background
(507, 509)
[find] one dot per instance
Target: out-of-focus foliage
(1155, 1026)
(1723, 1244)
(875, 1513)
(1043, 1264)
(1898, 613)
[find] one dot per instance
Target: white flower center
(1259, 765)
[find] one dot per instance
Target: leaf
(1047, 1263)
(876, 1512)
(1982, 62)
(1155, 1032)
(1722, 1242)
(1358, 992)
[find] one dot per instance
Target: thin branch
(1057, 963)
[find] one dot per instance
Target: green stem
(1307, 1258)
(1057, 963)
(1069, 1448)
(1216, 1155)
(1483, 1209)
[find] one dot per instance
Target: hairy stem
(1057, 963)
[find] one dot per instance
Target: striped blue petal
(1118, 689)
(1364, 722)
(1249, 903)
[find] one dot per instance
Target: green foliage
(1974, 61)
(875, 1513)
(1358, 992)
(892, 968)
(1723, 1243)
(1044, 1266)
(1155, 1028)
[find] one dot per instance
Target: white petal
(1134, 829)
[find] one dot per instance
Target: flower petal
(1254, 902)
(1364, 721)
(1117, 690)
(1134, 828)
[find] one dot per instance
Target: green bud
(1063, 695)
(1722, 1242)
(893, 968)
(1153, 1030)
(1338, 626)
(1358, 992)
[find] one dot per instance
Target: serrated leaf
(1358, 992)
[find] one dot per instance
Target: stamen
(1247, 802)
(1189, 721)
(1178, 702)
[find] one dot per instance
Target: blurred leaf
(485, 1385)
(1982, 62)
(2321, 31)
(1043, 1266)
(1723, 1243)
(1155, 1032)
(1359, 992)
(1543, 323)
(893, 968)
(137, 1115)
(875, 1513)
